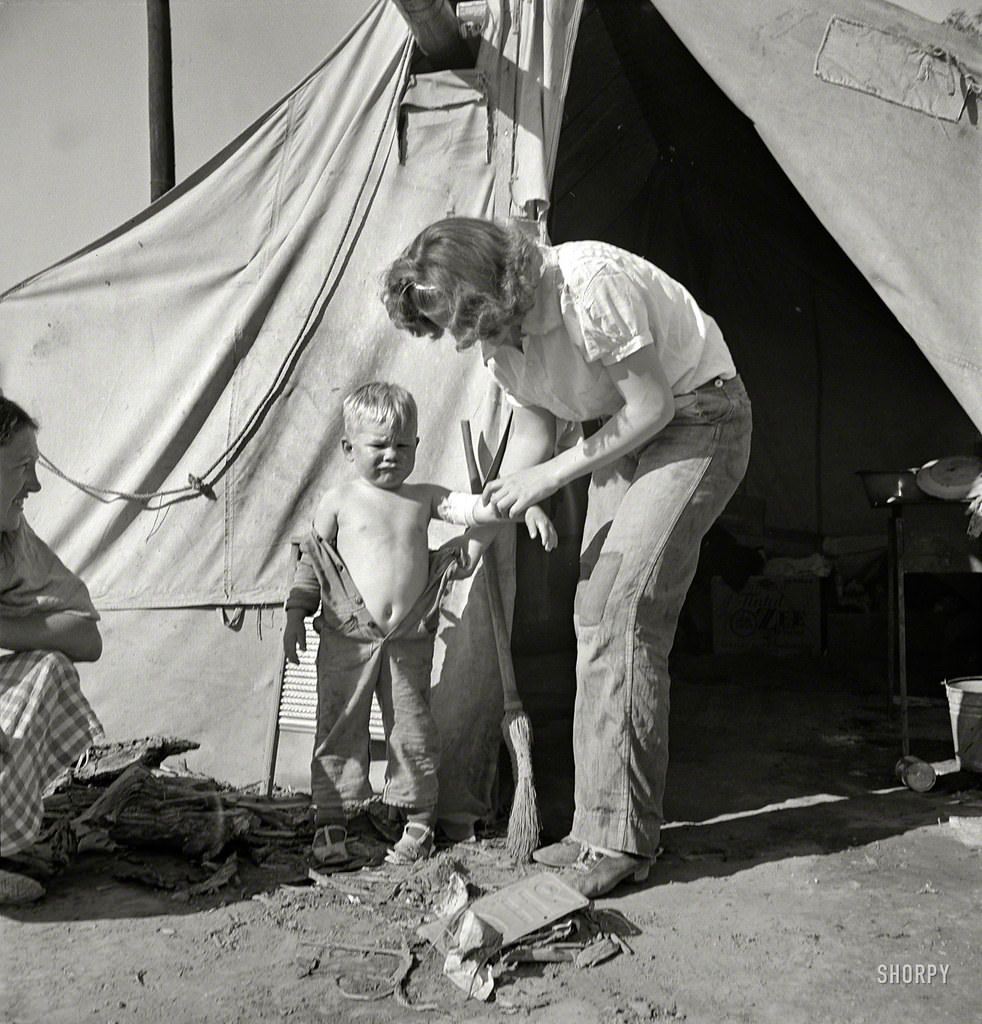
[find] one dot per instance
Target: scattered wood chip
(225, 873)
(596, 953)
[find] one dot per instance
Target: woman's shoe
(17, 888)
(563, 854)
(603, 872)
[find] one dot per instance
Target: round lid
(951, 477)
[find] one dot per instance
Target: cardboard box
(778, 614)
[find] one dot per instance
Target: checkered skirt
(46, 723)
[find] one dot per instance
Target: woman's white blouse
(597, 304)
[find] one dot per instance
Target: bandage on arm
(460, 508)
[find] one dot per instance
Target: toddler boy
(367, 566)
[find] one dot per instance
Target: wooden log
(104, 762)
(143, 809)
(135, 777)
(198, 835)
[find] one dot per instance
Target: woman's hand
(513, 495)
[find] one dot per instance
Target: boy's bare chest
(384, 516)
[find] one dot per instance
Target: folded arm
(76, 637)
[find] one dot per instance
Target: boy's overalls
(356, 659)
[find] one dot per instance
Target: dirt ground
(799, 882)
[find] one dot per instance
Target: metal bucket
(965, 711)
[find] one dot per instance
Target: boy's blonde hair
(380, 402)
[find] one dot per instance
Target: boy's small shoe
(416, 844)
(329, 846)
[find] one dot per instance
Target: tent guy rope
(195, 485)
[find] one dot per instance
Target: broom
(523, 821)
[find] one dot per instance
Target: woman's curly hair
(477, 276)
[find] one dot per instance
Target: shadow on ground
(770, 758)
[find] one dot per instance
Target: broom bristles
(523, 822)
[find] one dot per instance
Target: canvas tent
(212, 338)
(199, 353)
(834, 230)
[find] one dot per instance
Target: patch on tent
(892, 68)
(443, 109)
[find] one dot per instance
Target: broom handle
(509, 687)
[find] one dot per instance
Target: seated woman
(47, 624)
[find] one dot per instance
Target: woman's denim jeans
(646, 516)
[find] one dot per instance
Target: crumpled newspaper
(467, 963)
(540, 919)
(466, 941)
